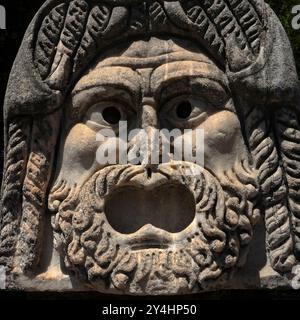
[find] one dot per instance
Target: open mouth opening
(169, 207)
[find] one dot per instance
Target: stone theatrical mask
(223, 67)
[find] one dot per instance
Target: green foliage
(284, 11)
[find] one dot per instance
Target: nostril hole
(184, 110)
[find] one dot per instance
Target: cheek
(77, 160)
(81, 145)
(221, 131)
(224, 142)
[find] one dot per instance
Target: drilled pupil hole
(111, 115)
(184, 110)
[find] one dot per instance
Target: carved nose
(149, 122)
(149, 116)
(170, 207)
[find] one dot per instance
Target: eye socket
(106, 115)
(112, 115)
(184, 110)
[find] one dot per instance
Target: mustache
(106, 179)
(238, 186)
(204, 187)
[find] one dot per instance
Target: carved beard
(217, 240)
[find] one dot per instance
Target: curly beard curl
(226, 213)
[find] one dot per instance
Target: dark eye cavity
(112, 115)
(106, 114)
(184, 110)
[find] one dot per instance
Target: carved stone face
(216, 77)
(154, 84)
(153, 228)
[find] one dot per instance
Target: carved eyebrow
(86, 98)
(121, 78)
(203, 88)
(174, 72)
(111, 84)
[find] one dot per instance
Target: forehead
(151, 54)
(154, 51)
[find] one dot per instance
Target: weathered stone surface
(70, 222)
